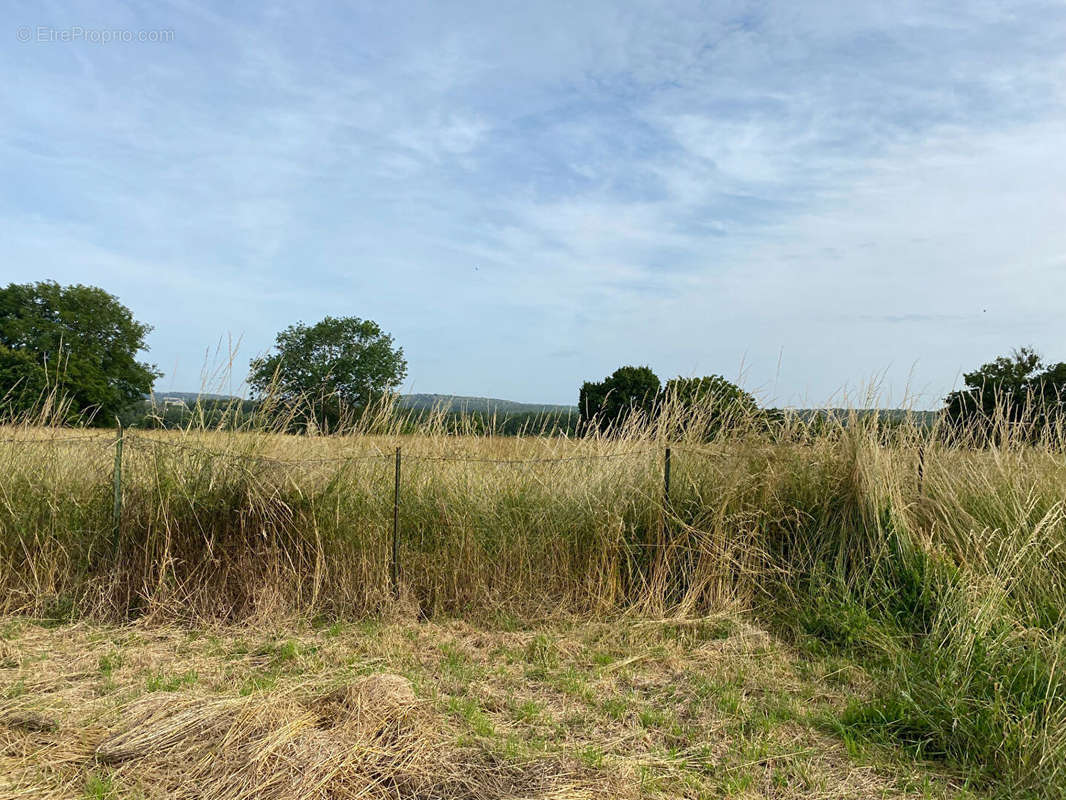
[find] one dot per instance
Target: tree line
(71, 355)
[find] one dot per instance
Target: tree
(708, 403)
(1018, 388)
(329, 369)
(608, 403)
(76, 341)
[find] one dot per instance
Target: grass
(739, 715)
(947, 601)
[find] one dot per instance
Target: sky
(822, 201)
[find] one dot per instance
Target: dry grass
(676, 708)
(950, 594)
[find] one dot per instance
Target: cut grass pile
(696, 708)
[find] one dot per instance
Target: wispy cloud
(667, 184)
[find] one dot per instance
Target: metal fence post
(921, 466)
(666, 492)
(666, 478)
(395, 566)
(116, 509)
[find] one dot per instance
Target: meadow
(833, 609)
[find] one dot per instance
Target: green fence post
(921, 466)
(116, 510)
(395, 566)
(666, 491)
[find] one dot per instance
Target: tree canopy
(608, 403)
(76, 341)
(709, 403)
(702, 404)
(328, 369)
(1013, 389)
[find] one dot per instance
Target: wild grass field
(813, 612)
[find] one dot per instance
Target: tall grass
(952, 592)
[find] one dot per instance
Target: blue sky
(810, 197)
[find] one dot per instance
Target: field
(698, 708)
(812, 612)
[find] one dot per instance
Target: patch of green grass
(469, 709)
(452, 658)
(506, 621)
(59, 611)
(528, 711)
(108, 663)
(592, 756)
(17, 689)
(161, 682)
(10, 630)
(602, 658)
(541, 653)
(570, 681)
(335, 630)
(738, 784)
(699, 631)
(258, 682)
(457, 667)
(615, 707)
(652, 718)
(280, 654)
(729, 701)
(98, 787)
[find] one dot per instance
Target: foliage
(693, 407)
(329, 370)
(78, 342)
(23, 380)
(608, 404)
(1014, 390)
(709, 403)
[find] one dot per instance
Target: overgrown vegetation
(936, 567)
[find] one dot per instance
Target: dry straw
(371, 740)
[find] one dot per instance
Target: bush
(629, 394)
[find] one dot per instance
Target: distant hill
(889, 415)
(191, 397)
(421, 402)
(489, 405)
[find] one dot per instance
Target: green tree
(327, 370)
(1018, 388)
(608, 403)
(707, 403)
(76, 341)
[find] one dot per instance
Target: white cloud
(674, 184)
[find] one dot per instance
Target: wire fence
(59, 440)
(396, 458)
(223, 454)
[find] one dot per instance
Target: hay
(371, 740)
(28, 721)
